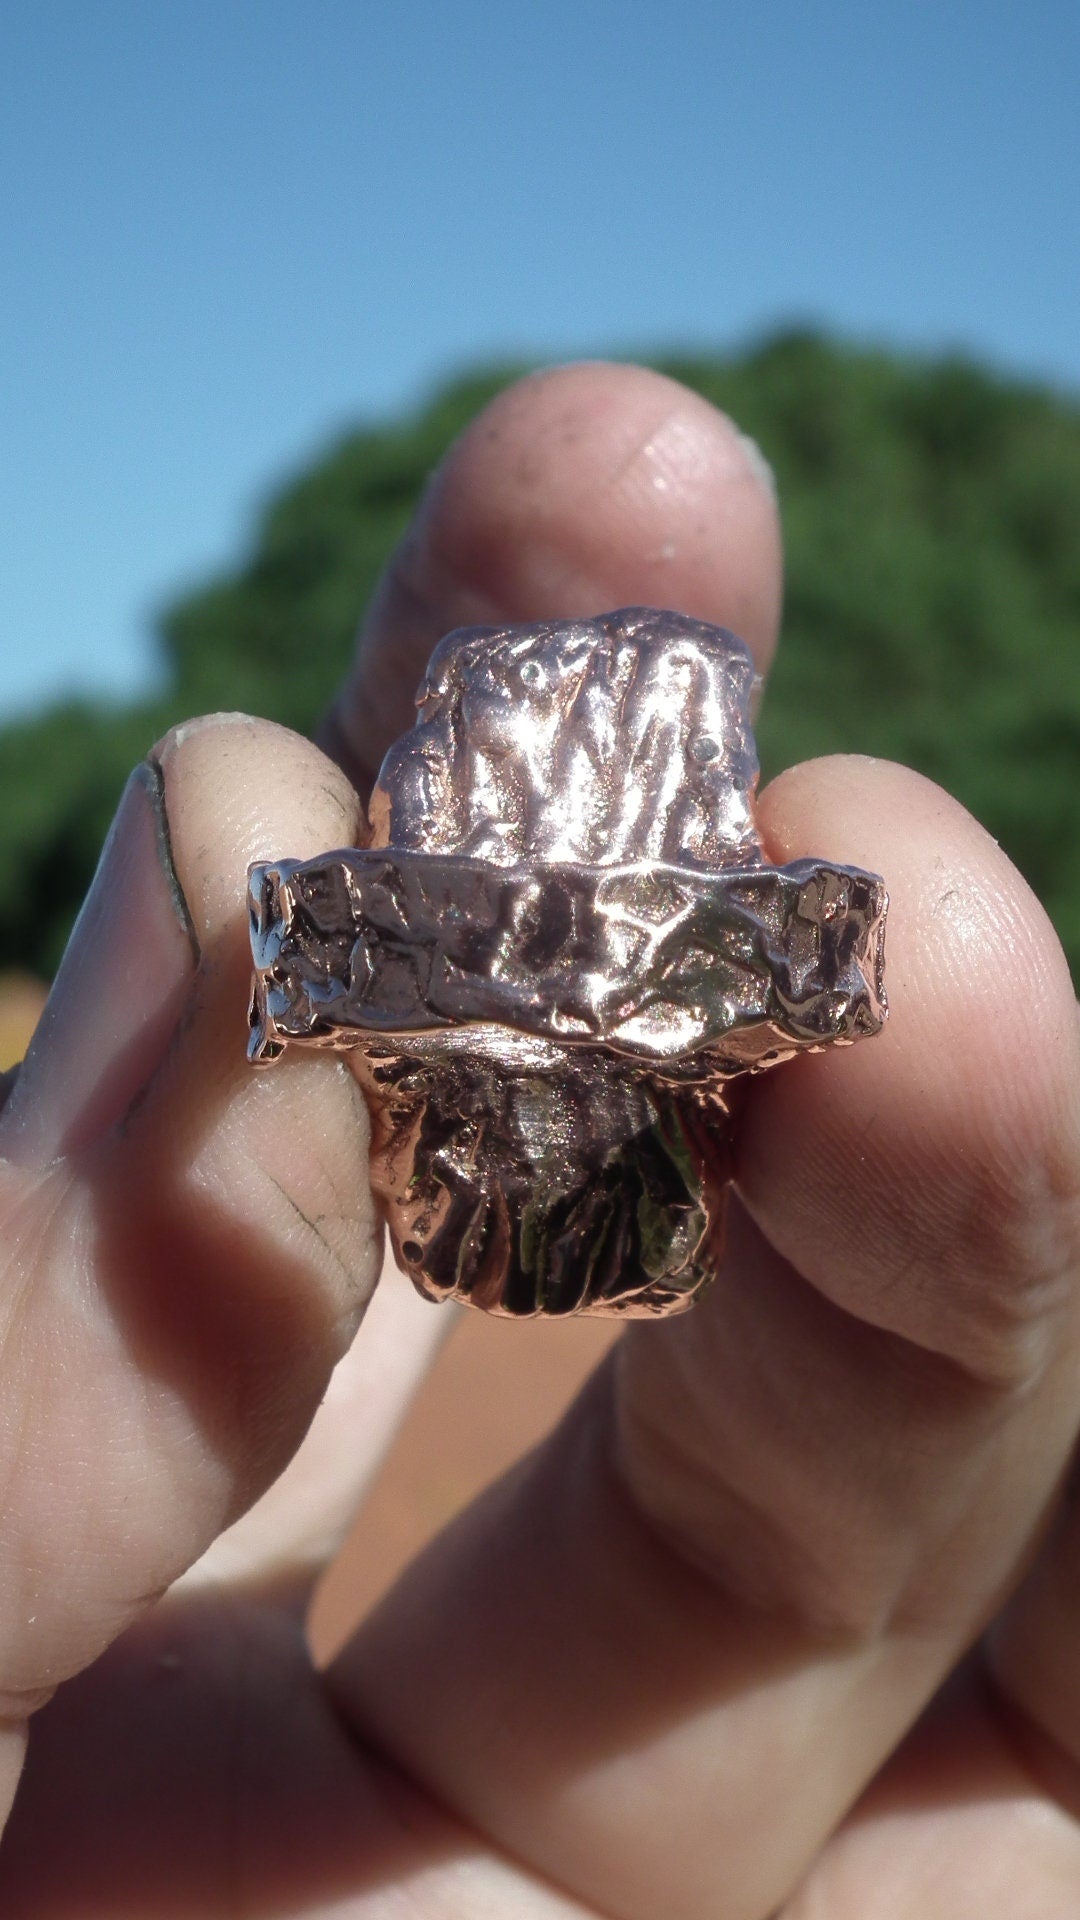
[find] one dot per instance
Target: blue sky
(229, 228)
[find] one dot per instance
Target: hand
(666, 1670)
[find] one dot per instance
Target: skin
(782, 1618)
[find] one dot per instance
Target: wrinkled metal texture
(561, 944)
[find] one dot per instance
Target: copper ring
(559, 947)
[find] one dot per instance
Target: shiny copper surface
(560, 945)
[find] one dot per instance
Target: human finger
(962, 1236)
(577, 490)
(661, 1660)
(187, 1246)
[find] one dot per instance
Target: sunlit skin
(783, 1617)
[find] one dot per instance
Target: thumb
(185, 1246)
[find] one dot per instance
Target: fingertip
(958, 905)
(238, 789)
(600, 484)
(928, 1178)
(578, 489)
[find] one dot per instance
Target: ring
(560, 947)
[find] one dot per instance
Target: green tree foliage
(932, 522)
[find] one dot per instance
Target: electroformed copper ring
(561, 944)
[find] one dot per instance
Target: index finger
(577, 490)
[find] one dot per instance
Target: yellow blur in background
(21, 1000)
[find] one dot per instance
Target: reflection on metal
(561, 944)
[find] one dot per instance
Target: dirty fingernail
(117, 996)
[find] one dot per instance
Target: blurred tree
(932, 521)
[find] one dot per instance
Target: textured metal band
(650, 961)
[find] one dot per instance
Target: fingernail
(117, 996)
